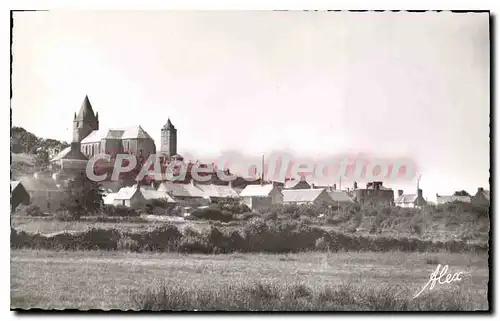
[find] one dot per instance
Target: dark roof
(406, 198)
(169, 125)
(86, 112)
(340, 196)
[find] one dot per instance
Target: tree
(42, 159)
(83, 196)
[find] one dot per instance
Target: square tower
(168, 139)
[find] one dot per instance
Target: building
(443, 199)
(482, 197)
(218, 192)
(316, 196)
(339, 197)
(410, 200)
(374, 193)
(89, 139)
(168, 140)
(261, 197)
(186, 194)
(44, 192)
(291, 183)
(18, 195)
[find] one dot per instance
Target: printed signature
(435, 278)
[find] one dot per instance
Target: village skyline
(307, 86)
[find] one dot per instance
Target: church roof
(169, 125)
(70, 154)
(86, 113)
(135, 132)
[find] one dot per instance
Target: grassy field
(304, 281)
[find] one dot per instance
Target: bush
(273, 216)
(213, 212)
(125, 243)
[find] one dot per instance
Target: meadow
(300, 281)
(355, 260)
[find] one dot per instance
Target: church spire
(86, 112)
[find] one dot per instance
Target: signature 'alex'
(435, 278)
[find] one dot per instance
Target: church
(89, 140)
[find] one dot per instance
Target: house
(261, 197)
(152, 194)
(482, 197)
(410, 200)
(18, 195)
(297, 184)
(44, 192)
(316, 196)
(457, 197)
(374, 193)
(109, 198)
(339, 197)
(218, 192)
(130, 196)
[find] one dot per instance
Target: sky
(314, 84)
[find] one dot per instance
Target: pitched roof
(257, 190)
(134, 132)
(293, 183)
(221, 191)
(86, 112)
(71, 152)
(169, 125)
(340, 196)
(301, 195)
(110, 186)
(13, 185)
(485, 193)
(109, 198)
(126, 193)
(405, 198)
(452, 198)
(150, 194)
(180, 190)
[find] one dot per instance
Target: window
(48, 205)
(123, 202)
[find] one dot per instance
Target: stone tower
(85, 122)
(168, 139)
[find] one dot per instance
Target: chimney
(302, 178)
(419, 193)
(313, 186)
(400, 192)
(480, 189)
(334, 187)
(356, 185)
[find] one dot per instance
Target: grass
(303, 281)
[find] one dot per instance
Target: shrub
(29, 210)
(272, 216)
(125, 243)
(213, 212)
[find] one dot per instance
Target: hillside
(30, 152)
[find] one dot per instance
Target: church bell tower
(85, 122)
(168, 139)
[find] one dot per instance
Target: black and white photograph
(250, 160)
